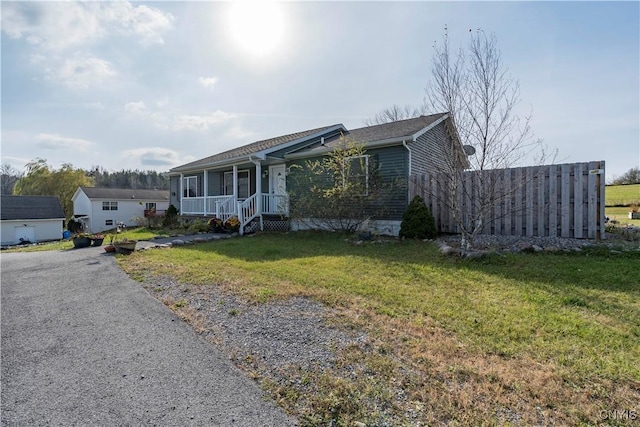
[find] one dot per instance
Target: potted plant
(81, 240)
(215, 225)
(109, 248)
(125, 246)
(232, 224)
(634, 214)
(97, 239)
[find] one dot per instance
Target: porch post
(181, 195)
(235, 182)
(258, 188)
(205, 190)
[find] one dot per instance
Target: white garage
(30, 219)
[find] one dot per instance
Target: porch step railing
(247, 211)
(275, 204)
(224, 207)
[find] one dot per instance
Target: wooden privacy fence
(564, 200)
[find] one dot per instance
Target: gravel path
(82, 344)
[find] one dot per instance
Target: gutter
(325, 149)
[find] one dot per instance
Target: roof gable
(30, 207)
(393, 131)
(124, 193)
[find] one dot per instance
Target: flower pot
(109, 248)
(125, 247)
(81, 242)
(96, 242)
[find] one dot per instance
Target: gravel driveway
(82, 344)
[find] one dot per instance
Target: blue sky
(155, 85)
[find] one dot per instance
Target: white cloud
(238, 132)
(174, 120)
(208, 82)
(62, 35)
(148, 23)
(137, 108)
(81, 73)
(156, 157)
(56, 142)
(200, 122)
(62, 25)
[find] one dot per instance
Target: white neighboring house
(30, 219)
(102, 209)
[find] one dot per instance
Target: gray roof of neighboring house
(124, 193)
(253, 148)
(30, 207)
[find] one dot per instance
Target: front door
(277, 180)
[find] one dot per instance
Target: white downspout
(181, 195)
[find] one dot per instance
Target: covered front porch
(249, 191)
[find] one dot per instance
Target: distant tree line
(632, 176)
(40, 179)
(134, 179)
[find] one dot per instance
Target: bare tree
(9, 177)
(475, 87)
(395, 113)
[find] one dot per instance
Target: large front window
(243, 184)
(190, 186)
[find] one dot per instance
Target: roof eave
(429, 127)
(262, 154)
(367, 145)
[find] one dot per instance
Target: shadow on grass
(593, 268)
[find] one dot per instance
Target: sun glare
(256, 26)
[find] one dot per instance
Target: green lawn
(621, 215)
(553, 336)
(622, 195)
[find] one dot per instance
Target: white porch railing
(224, 207)
(275, 204)
(193, 205)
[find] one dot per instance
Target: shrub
(171, 217)
(417, 221)
(198, 226)
(74, 226)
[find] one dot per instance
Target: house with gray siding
(251, 181)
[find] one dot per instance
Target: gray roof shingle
(124, 193)
(252, 148)
(30, 207)
(398, 130)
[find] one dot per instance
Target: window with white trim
(356, 173)
(243, 184)
(150, 206)
(190, 186)
(109, 206)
